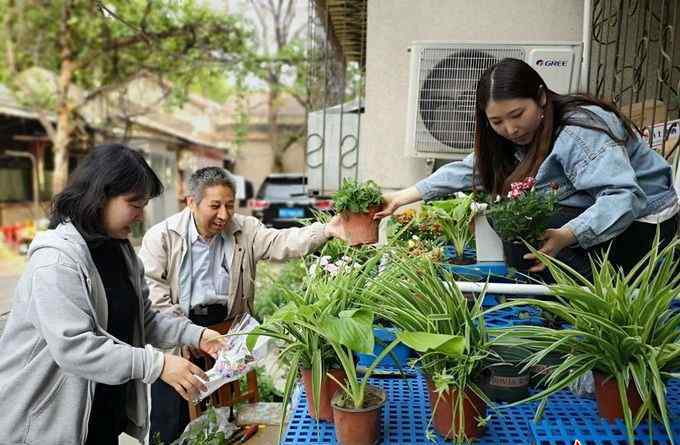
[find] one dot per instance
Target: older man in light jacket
(200, 263)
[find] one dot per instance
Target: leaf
(453, 345)
(352, 328)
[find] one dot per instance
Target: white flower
(331, 268)
(324, 260)
(347, 259)
(498, 198)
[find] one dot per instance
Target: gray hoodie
(55, 347)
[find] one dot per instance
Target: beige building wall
(255, 160)
(394, 24)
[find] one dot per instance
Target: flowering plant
(423, 225)
(523, 213)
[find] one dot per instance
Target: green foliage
(522, 215)
(622, 326)
(301, 323)
(357, 198)
(436, 320)
(108, 45)
(409, 225)
(455, 215)
(266, 389)
(205, 432)
(268, 295)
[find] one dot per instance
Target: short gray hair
(208, 177)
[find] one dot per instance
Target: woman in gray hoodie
(75, 356)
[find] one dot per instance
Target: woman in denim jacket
(613, 188)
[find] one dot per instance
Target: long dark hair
(495, 163)
(109, 170)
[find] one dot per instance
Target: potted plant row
(620, 327)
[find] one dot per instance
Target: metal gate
(635, 62)
(336, 54)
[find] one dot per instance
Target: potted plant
(325, 293)
(358, 204)
(520, 218)
(621, 327)
(450, 337)
(455, 216)
(356, 406)
(508, 381)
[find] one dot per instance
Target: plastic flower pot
(545, 367)
(361, 228)
(469, 256)
(514, 252)
(358, 426)
(608, 401)
(507, 384)
(383, 337)
(442, 412)
(328, 388)
(506, 381)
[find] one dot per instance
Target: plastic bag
(235, 360)
(584, 386)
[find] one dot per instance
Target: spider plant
(435, 320)
(621, 326)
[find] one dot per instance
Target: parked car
(283, 201)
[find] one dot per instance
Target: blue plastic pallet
(405, 417)
(495, 272)
(514, 316)
(569, 418)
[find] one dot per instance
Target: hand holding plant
(522, 214)
(358, 204)
(357, 198)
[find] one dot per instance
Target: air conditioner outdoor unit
(443, 80)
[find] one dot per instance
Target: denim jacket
(615, 183)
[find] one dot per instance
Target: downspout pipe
(587, 39)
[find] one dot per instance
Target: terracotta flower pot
(608, 401)
(361, 228)
(442, 412)
(514, 252)
(359, 426)
(328, 389)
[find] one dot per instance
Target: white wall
(394, 24)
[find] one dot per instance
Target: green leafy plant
(522, 214)
(423, 225)
(622, 326)
(357, 198)
(436, 321)
(298, 324)
(455, 216)
(204, 432)
(348, 332)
